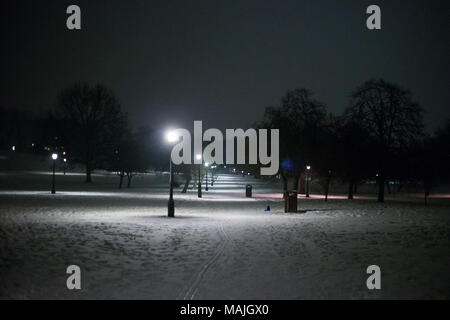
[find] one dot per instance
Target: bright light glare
(172, 136)
(206, 164)
(54, 156)
(199, 156)
(308, 167)
(65, 160)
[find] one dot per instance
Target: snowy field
(223, 246)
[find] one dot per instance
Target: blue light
(287, 164)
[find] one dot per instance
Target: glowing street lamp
(307, 177)
(199, 192)
(65, 164)
(171, 138)
(54, 157)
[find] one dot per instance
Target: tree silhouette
(300, 119)
(351, 145)
(389, 115)
(93, 122)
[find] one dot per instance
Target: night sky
(223, 62)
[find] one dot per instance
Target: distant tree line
(89, 126)
(380, 136)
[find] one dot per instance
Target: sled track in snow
(191, 290)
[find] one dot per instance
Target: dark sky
(172, 62)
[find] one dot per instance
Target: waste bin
(290, 201)
(248, 190)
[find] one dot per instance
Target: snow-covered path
(223, 246)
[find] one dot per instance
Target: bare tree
(390, 116)
(93, 117)
(300, 119)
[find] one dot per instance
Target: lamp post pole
(199, 181)
(53, 179)
(206, 175)
(171, 137)
(54, 157)
(308, 177)
(171, 204)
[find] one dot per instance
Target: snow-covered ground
(223, 246)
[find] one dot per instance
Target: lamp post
(212, 175)
(54, 157)
(199, 193)
(308, 177)
(206, 173)
(171, 137)
(65, 165)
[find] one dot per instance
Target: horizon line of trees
(380, 134)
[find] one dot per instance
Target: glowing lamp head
(308, 167)
(65, 160)
(198, 156)
(54, 156)
(172, 136)
(206, 164)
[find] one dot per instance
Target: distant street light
(65, 165)
(171, 137)
(308, 178)
(199, 192)
(54, 157)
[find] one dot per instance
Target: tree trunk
(298, 180)
(327, 186)
(427, 189)
(88, 173)
(186, 184)
(284, 185)
(121, 180)
(351, 187)
(302, 187)
(129, 176)
(380, 188)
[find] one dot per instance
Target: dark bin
(248, 190)
(290, 201)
